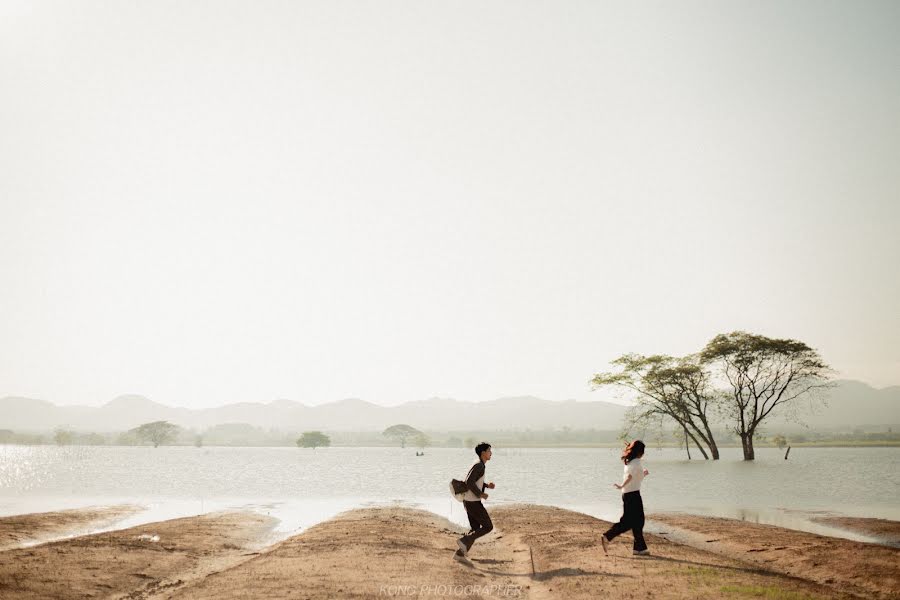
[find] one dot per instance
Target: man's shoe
(462, 547)
(641, 553)
(605, 543)
(461, 558)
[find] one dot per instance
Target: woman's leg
(637, 523)
(622, 526)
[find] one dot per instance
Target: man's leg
(473, 527)
(480, 521)
(473, 524)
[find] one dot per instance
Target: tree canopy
(666, 386)
(313, 439)
(740, 376)
(401, 432)
(157, 432)
(421, 441)
(763, 374)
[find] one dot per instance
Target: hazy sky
(211, 202)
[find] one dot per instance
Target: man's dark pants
(632, 518)
(479, 521)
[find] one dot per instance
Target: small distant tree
(779, 440)
(63, 437)
(401, 432)
(422, 441)
(470, 442)
(764, 374)
(313, 439)
(93, 439)
(157, 432)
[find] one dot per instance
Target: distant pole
(786, 453)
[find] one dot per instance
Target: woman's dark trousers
(479, 521)
(632, 518)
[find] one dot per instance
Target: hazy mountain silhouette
(126, 412)
(850, 404)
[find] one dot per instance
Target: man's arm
(474, 475)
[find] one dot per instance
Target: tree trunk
(698, 444)
(714, 449)
(711, 441)
(687, 445)
(702, 450)
(747, 446)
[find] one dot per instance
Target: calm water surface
(302, 487)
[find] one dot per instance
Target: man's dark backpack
(459, 488)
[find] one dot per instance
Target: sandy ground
(866, 570)
(132, 563)
(38, 527)
(885, 531)
(534, 552)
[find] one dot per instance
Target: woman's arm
(624, 483)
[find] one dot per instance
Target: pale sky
(213, 202)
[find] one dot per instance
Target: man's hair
(481, 448)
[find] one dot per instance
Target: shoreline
(55, 522)
(535, 552)
(695, 453)
(19, 531)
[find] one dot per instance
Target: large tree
(401, 432)
(313, 439)
(668, 387)
(157, 432)
(764, 374)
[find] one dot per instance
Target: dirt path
(35, 528)
(569, 563)
(535, 552)
(369, 553)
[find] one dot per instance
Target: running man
(479, 520)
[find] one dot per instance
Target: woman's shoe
(641, 553)
(605, 543)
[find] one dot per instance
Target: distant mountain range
(850, 404)
(436, 414)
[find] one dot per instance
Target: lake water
(302, 487)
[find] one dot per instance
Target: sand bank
(34, 528)
(534, 552)
(865, 570)
(885, 531)
(139, 562)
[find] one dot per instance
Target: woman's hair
(633, 450)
